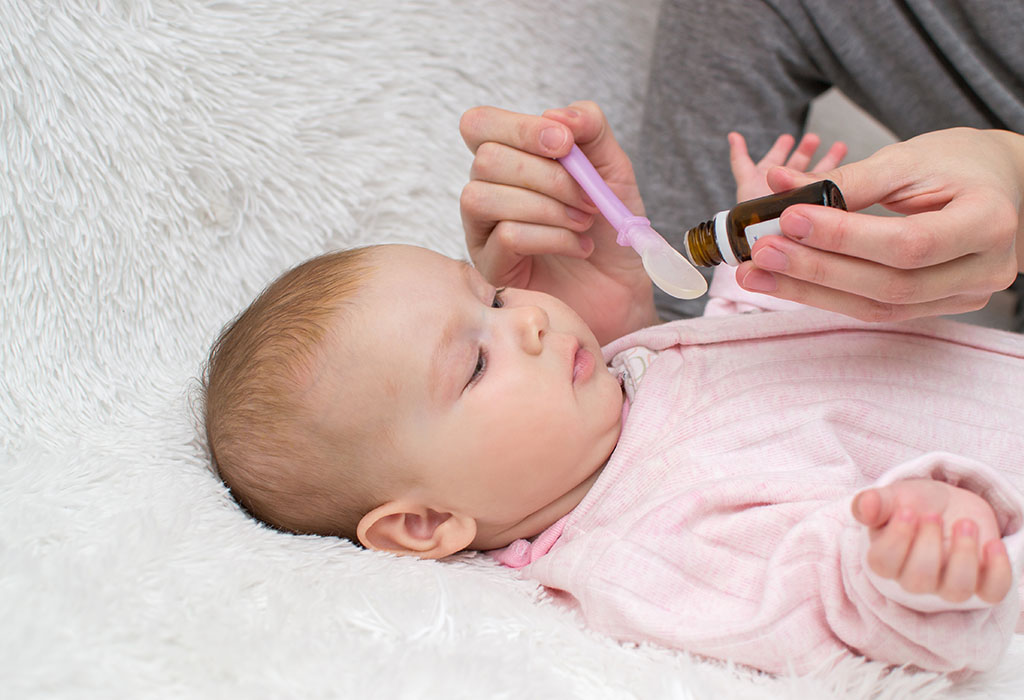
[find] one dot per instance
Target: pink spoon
(666, 267)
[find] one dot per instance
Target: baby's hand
(751, 177)
(910, 544)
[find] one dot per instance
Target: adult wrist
(1013, 144)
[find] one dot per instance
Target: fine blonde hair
(262, 437)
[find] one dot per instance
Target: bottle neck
(701, 246)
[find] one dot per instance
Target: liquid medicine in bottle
(728, 237)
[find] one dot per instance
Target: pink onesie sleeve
(930, 632)
(747, 572)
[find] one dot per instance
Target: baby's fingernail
(965, 528)
(577, 214)
(995, 548)
(552, 138)
(759, 281)
(795, 226)
(769, 258)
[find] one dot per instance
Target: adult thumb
(863, 182)
(594, 136)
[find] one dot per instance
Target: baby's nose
(531, 322)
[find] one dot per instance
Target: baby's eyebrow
(438, 364)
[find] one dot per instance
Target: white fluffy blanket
(160, 161)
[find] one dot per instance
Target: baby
(773, 489)
(377, 394)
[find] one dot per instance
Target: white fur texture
(162, 160)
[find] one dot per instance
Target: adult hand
(528, 224)
(960, 241)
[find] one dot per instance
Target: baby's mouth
(582, 365)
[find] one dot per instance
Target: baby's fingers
(779, 151)
(996, 575)
(801, 156)
(960, 576)
(739, 157)
(832, 158)
(873, 507)
(923, 565)
(889, 547)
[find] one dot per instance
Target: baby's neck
(537, 522)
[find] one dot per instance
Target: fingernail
(905, 515)
(552, 138)
(995, 548)
(795, 226)
(577, 214)
(759, 281)
(965, 528)
(769, 258)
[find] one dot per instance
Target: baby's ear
(408, 528)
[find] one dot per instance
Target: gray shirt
(755, 65)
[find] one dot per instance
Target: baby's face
(498, 401)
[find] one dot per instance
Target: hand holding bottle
(728, 236)
(528, 224)
(962, 191)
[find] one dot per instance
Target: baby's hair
(263, 439)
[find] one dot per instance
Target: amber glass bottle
(729, 236)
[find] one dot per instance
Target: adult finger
(526, 132)
(996, 575)
(863, 182)
(960, 574)
(504, 165)
(501, 258)
(594, 136)
(484, 205)
(754, 279)
(920, 572)
(971, 274)
(889, 548)
(905, 242)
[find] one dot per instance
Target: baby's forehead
(418, 256)
(412, 297)
(400, 267)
